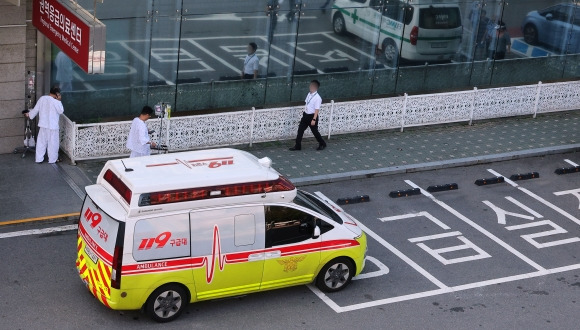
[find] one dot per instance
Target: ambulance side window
(285, 225)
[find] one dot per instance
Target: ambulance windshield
(306, 200)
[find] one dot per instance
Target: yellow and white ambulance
(161, 231)
(417, 30)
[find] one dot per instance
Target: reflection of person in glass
(481, 44)
(500, 43)
(64, 72)
(310, 117)
(251, 63)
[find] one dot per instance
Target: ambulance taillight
(414, 35)
(118, 185)
(117, 265)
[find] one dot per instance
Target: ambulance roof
(192, 169)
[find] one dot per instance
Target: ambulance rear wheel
(335, 275)
(166, 303)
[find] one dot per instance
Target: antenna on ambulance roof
(126, 169)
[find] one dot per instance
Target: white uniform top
(138, 137)
(313, 102)
(48, 110)
(251, 64)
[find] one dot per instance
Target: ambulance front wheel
(335, 275)
(166, 303)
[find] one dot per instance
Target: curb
(469, 161)
(52, 218)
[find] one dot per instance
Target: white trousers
(48, 140)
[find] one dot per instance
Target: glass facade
(191, 53)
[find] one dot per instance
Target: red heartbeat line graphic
(216, 252)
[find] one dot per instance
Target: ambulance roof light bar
(230, 190)
(118, 185)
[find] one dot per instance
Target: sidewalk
(30, 190)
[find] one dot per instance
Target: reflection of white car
(427, 30)
(557, 27)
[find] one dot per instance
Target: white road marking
(524, 207)
(557, 230)
(219, 59)
(415, 215)
(573, 192)
(296, 58)
(146, 62)
(403, 257)
(478, 227)
(539, 199)
(39, 231)
(88, 86)
(437, 253)
(570, 162)
(328, 35)
(432, 237)
(383, 270)
(341, 309)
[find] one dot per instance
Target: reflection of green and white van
(420, 30)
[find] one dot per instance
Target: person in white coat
(138, 141)
(48, 109)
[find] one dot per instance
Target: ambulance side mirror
(316, 233)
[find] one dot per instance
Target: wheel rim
(390, 52)
(336, 276)
(529, 34)
(167, 304)
(338, 24)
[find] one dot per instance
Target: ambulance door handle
(273, 254)
(255, 256)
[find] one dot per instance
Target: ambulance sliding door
(292, 255)
(228, 245)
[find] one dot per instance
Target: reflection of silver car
(557, 27)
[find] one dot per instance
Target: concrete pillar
(13, 31)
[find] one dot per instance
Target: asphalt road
(479, 257)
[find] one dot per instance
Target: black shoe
(321, 147)
(294, 149)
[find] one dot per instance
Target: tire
(167, 302)
(339, 24)
(335, 275)
(530, 34)
(390, 53)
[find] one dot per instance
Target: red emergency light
(119, 186)
(230, 190)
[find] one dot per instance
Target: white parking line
(219, 59)
(145, 61)
(570, 162)
(38, 231)
(296, 58)
(538, 198)
(478, 227)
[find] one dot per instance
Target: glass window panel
(214, 51)
(121, 90)
(118, 9)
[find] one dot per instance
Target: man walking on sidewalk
(48, 108)
(138, 141)
(310, 117)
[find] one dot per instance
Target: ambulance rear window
(306, 200)
(439, 18)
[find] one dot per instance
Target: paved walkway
(31, 190)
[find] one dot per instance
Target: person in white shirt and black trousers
(251, 63)
(310, 117)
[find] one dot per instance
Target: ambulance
(419, 30)
(162, 231)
